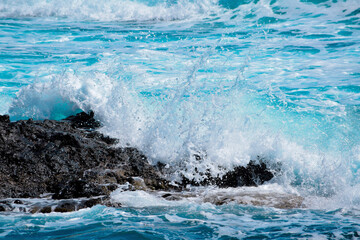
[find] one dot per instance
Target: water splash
(234, 81)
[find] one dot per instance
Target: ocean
(228, 80)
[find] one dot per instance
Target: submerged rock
(46, 205)
(256, 196)
(69, 159)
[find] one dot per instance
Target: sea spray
(223, 131)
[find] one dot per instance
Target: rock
(78, 188)
(90, 203)
(5, 206)
(2, 208)
(253, 174)
(50, 156)
(84, 120)
(4, 118)
(138, 183)
(46, 209)
(66, 206)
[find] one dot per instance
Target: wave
(224, 132)
(264, 12)
(113, 10)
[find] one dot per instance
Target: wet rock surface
(63, 158)
(69, 159)
(254, 174)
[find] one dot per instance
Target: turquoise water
(229, 80)
(186, 222)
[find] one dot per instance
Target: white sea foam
(163, 10)
(139, 199)
(113, 10)
(268, 195)
(271, 195)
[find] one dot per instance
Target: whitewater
(230, 81)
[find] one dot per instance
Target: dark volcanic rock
(253, 174)
(38, 157)
(78, 188)
(4, 118)
(84, 120)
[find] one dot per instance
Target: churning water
(229, 80)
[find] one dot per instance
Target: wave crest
(111, 10)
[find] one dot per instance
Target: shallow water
(226, 80)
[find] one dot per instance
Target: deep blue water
(229, 80)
